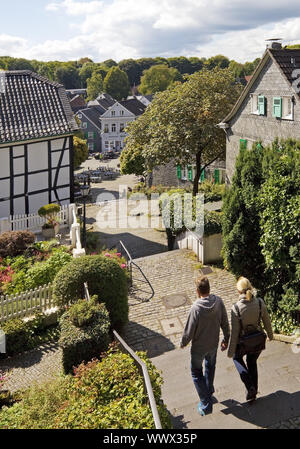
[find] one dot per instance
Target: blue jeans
(204, 384)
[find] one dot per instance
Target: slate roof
(133, 105)
(287, 61)
(77, 103)
(93, 114)
(32, 107)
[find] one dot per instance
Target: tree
(180, 124)
(84, 61)
(217, 61)
(81, 151)
(116, 83)
(132, 162)
(157, 79)
(241, 222)
(132, 69)
(86, 72)
(182, 64)
(109, 63)
(279, 209)
(94, 86)
(67, 74)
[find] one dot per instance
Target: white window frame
(113, 125)
(91, 135)
(284, 103)
(106, 144)
(122, 127)
(254, 104)
(84, 125)
(121, 112)
(113, 113)
(106, 128)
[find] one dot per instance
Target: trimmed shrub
(105, 278)
(17, 336)
(13, 243)
(87, 341)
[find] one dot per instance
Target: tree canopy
(94, 86)
(116, 83)
(180, 124)
(158, 78)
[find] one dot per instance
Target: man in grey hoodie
(206, 317)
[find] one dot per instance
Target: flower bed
(37, 266)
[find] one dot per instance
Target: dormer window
(121, 112)
(113, 113)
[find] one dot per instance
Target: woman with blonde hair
(246, 316)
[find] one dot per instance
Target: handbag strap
(240, 318)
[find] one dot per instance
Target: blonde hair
(244, 286)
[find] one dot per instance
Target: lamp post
(84, 193)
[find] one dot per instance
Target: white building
(115, 120)
(36, 144)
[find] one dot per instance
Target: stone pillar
(5, 225)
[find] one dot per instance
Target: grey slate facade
(91, 127)
(273, 79)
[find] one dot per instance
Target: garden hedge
(17, 334)
(83, 343)
(105, 278)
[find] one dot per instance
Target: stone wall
(245, 125)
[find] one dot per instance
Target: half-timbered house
(36, 144)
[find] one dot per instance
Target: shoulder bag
(250, 341)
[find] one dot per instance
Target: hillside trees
(116, 83)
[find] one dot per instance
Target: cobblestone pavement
(36, 366)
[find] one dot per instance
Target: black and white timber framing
(36, 144)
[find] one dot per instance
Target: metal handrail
(143, 369)
(131, 262)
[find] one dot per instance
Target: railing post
(5, 225)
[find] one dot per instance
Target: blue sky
(118, 29)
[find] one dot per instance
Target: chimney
(274, 44)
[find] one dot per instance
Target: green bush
(105, 278)
(87, 341)
(13, 243)
(37, 407)
(110, 395)
(23, 336)
(49, 211)
(31, 274)
(17, 335)
(102, 395)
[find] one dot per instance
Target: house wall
(35, 174)
(94, 142)
(245, 125)
(115, 136)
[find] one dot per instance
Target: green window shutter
(86, 135)
(95, 135)
(277, 107)
(243, 144)
(202, 176)
(217, 176)
(259, 146)
(190, 173)
(261, 105)
(179, 171)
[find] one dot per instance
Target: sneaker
(202, 410)
(251, 394)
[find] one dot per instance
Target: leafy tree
(67, 74)
(217, 61)
(86, 72)
(94, 86)
(279, 203)
(84, 61)
(110, 63)
(132, 162)
(196, 64)
(157, 79)
(81, 151)
(241, 222)
(180, 124)
(116, 83)
(182, 64)
(132, 69)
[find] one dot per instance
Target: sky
(121, 29)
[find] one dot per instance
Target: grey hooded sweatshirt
(205, 319)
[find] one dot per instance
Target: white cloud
(11, 44)
(121, 29)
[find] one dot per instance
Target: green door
(179, 171)
(217, 176)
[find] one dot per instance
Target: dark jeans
(204, 384)
(248, 370)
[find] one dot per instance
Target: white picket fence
(33, 222)
(27, 303)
